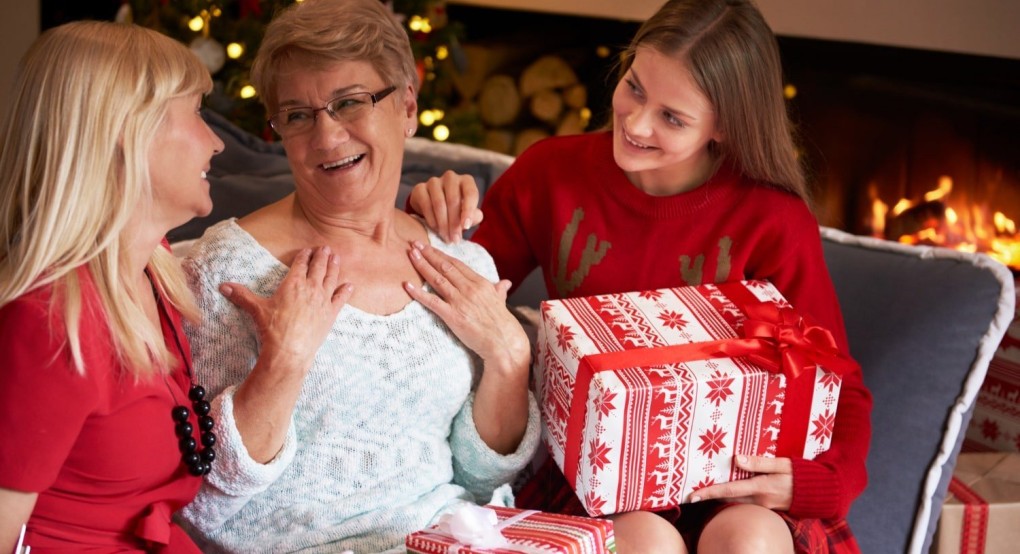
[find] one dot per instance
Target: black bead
(180, 414)
(187, 444)
(191, 458)
(201, 407)
(184, 429)
(208, 439)
(206, 423)
(198, 469)
(196, 393)
(208, 455)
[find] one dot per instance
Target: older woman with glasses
(418, 400)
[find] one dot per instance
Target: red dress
(99, 448)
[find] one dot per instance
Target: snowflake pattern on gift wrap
(706, 482)
(564, 337)
(719, 388)
(823, 426)
(603, 403)
(598, 454)
(650, 294)
(672, 319)
(990, 429)
(712, 441)
(594, 502)
(830, 380)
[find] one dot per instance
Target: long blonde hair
(86, 102)
(733, 56)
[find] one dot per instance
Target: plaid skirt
(548, 490)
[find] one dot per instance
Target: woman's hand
(291, 326)
(475, 310)
(770, 487)
(448, 203)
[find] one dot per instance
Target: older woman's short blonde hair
(317, 33)
(86, 103)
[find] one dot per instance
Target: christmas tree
(225, 35)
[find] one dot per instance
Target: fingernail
(695, 498)
(467, 224)
(408, 286)
(742, 459)
(226, 290)
(418, 245)
(415, 253)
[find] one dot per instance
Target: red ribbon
(775, 338)
(975, 517)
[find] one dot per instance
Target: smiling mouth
(344, 163)
(631, 141)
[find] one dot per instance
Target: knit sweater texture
(565, 206)
(381, 441)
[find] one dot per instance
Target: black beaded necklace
(198, 462)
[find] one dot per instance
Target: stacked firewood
(518, 108)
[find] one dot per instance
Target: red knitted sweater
(564, 205)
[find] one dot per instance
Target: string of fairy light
(430, 118)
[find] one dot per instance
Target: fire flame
(996, 235)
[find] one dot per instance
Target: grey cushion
(923, 323)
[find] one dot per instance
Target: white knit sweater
(382, 439)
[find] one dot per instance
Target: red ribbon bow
(795, 346)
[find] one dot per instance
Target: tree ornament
(212, 53)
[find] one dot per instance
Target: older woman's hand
(448, 203)
(291, 326)
(475, 310)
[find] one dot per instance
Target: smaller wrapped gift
(497, 530)
(980, 514)
(647, 396)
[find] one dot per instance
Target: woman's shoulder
(473, 255)
(221, 242)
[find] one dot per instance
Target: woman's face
(346, 164)
(179, 159)
(662, 124)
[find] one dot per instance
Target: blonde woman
(107, 431)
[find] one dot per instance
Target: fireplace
(879, 126)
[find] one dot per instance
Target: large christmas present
(499, 530)
(980, 514)
(648, 396)
(995, 425)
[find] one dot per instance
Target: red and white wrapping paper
(648, 396)
(522, 531)
(995, 425)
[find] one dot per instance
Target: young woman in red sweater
(696, 182)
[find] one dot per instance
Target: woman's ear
(411, 103)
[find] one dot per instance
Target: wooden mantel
(980, 27)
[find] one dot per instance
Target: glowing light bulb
(442, 52)
(235, 50)
(441, 133)
(427, 118)
(247, 91)
(196, 23)
(789, 92)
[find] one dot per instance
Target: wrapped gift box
(982, 509)
(995, 425)
(524, 531)
(647, 396)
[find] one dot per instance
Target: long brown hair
(734, 58)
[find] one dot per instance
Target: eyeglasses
(346, 109)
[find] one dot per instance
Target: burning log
(918, 220)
